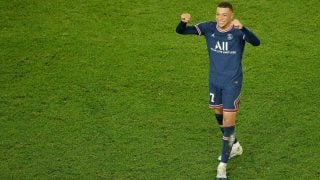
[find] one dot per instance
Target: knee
(218, 110)
(229, 119)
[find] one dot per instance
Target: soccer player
(225, 40)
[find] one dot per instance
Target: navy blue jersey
(225, 50)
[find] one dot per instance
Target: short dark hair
(225, 5)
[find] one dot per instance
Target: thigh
(215, 96)
(231, 98)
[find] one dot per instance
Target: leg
(231, 98)
(229, 120)
(220, 119)
(227, 142)
(215, 102)
(219, 116)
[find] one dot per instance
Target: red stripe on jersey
(230, 110)
(236, 105)
(215, 106)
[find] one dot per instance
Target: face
(224, 17)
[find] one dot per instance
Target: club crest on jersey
(229, 37)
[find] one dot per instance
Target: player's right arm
(182, 27)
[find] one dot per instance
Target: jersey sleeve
(182, 28)
(202, 28)
(198, 29)
(250, 37)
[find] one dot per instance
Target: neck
(225, 28)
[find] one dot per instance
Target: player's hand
(185, 17)
(237, 24)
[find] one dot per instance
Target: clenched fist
(185, 17)
(237, 24)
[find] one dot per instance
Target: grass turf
(107, 89)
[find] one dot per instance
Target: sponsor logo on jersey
(222, 48)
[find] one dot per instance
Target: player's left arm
(249, 36)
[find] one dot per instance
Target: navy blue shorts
(226, 97)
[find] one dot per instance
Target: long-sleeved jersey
(225, 50)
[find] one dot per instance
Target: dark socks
(219, 118)
(227, 142)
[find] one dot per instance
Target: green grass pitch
(107, 90)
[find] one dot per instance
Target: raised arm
(249, 36)
(182, 27)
